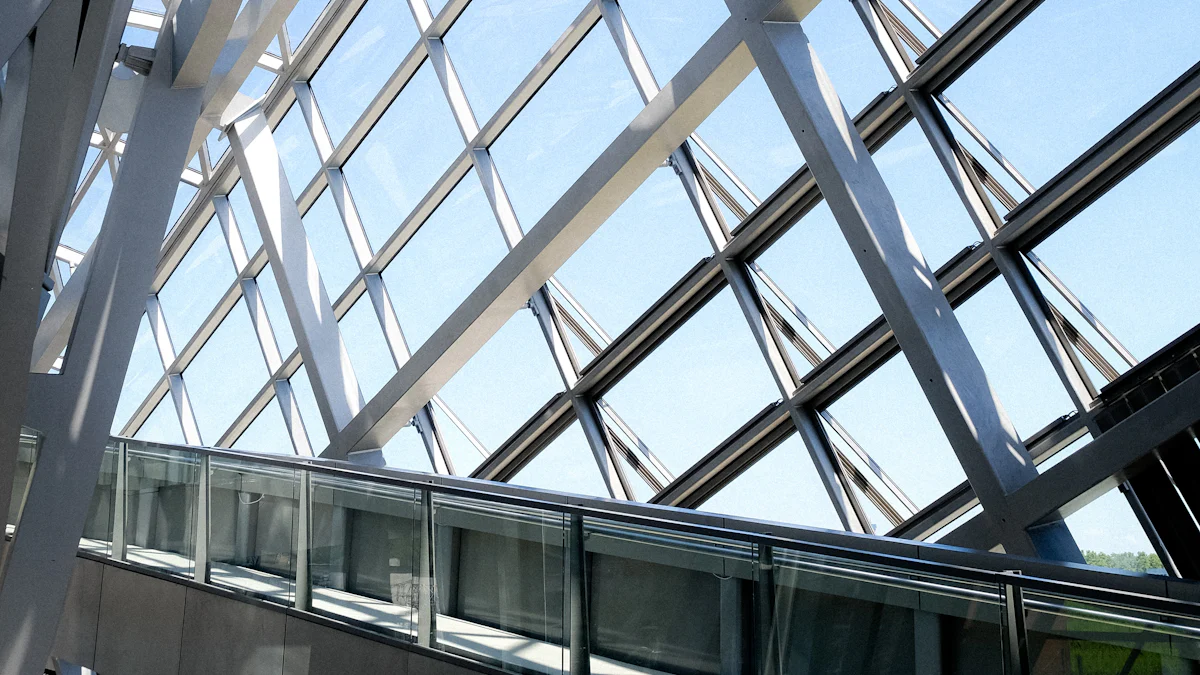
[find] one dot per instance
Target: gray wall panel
(226, 636)
(313, 649)
(76, 637)
(141, 624)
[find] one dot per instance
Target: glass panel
(27, 451)
(670, 31)
(183, 196)
(1071, 635)
(651, 241)
(145, 369)
(368, 349)
(301, 20)
(696, 388)
(1130, 256)
(309, 412)
(1097, 64)
(847, 54)
(160, 508)
(267, 433)
(364, 556)
(330, 246)
(566, 465)
(98, 529)
(1017, 367)
(217, 145)
(239, 202)
(268, 290)
(571, 120)
(163, 424)
(197, 284)
(508, 605)
(444, 261)
(833, 615)
(657, 599)
(361, 62)
(252, 524)
(505, 382)
(84, 225)
(1110, 535)
(889, 417)
(782, 486)
(297, 152)
(225, 375)
(748, 132)
(410, 147)
(495, 43)
(407, 451)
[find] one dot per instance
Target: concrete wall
(121, 622)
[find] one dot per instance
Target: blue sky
(1054, 86)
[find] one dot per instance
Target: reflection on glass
(160, 507)
(364, 544)
(1068, 635)
(98, 528)
(252, 517)
(499, 583)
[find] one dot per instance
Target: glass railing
(526, 582)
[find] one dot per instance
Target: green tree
(1130, 561)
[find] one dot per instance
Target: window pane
(145, 369)
(239, 203)
(1110, 535)
(196, 286)
(407, 451)
(651, 241)
(403, 156)
(84, 225)
(495, 43)
(183, 197)
(889, 417)
(301, 19)
(698, 387)
(567, 465)
(297, 152)
(225, 375)
(367, 347)
(848, 54)
(783, 486)
(330, 245)
(268, 289)
(162, 425)
(574, 117)
(309, 412)
(1068, 73)
(447, 258)
(505, 382)
(361, 62)
(1130, 256)
(267, 433)
(670, 31)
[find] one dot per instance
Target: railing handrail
(720, 526)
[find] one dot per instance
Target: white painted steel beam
(304, 296)
(984, 440)
(17, 19)
(716, 69)
(201, 28)
(74, 410)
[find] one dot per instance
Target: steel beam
(711, 74)
(71, 61)
(304, 296)
(76, 407)
(17, 19)
(979, 431)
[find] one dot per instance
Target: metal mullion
(166, 352)
(506, 218)
(385, 313)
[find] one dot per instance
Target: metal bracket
(137, 59)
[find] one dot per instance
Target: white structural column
(425, 421)
(71, 59)
(737, 273)
(12, 116)
(17, 19)
(540, 302)
(699, 87)
(992, 456)
(304, 296)
(74, 410)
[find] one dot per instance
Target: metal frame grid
(843, 465)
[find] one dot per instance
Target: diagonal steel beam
(709, 76)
